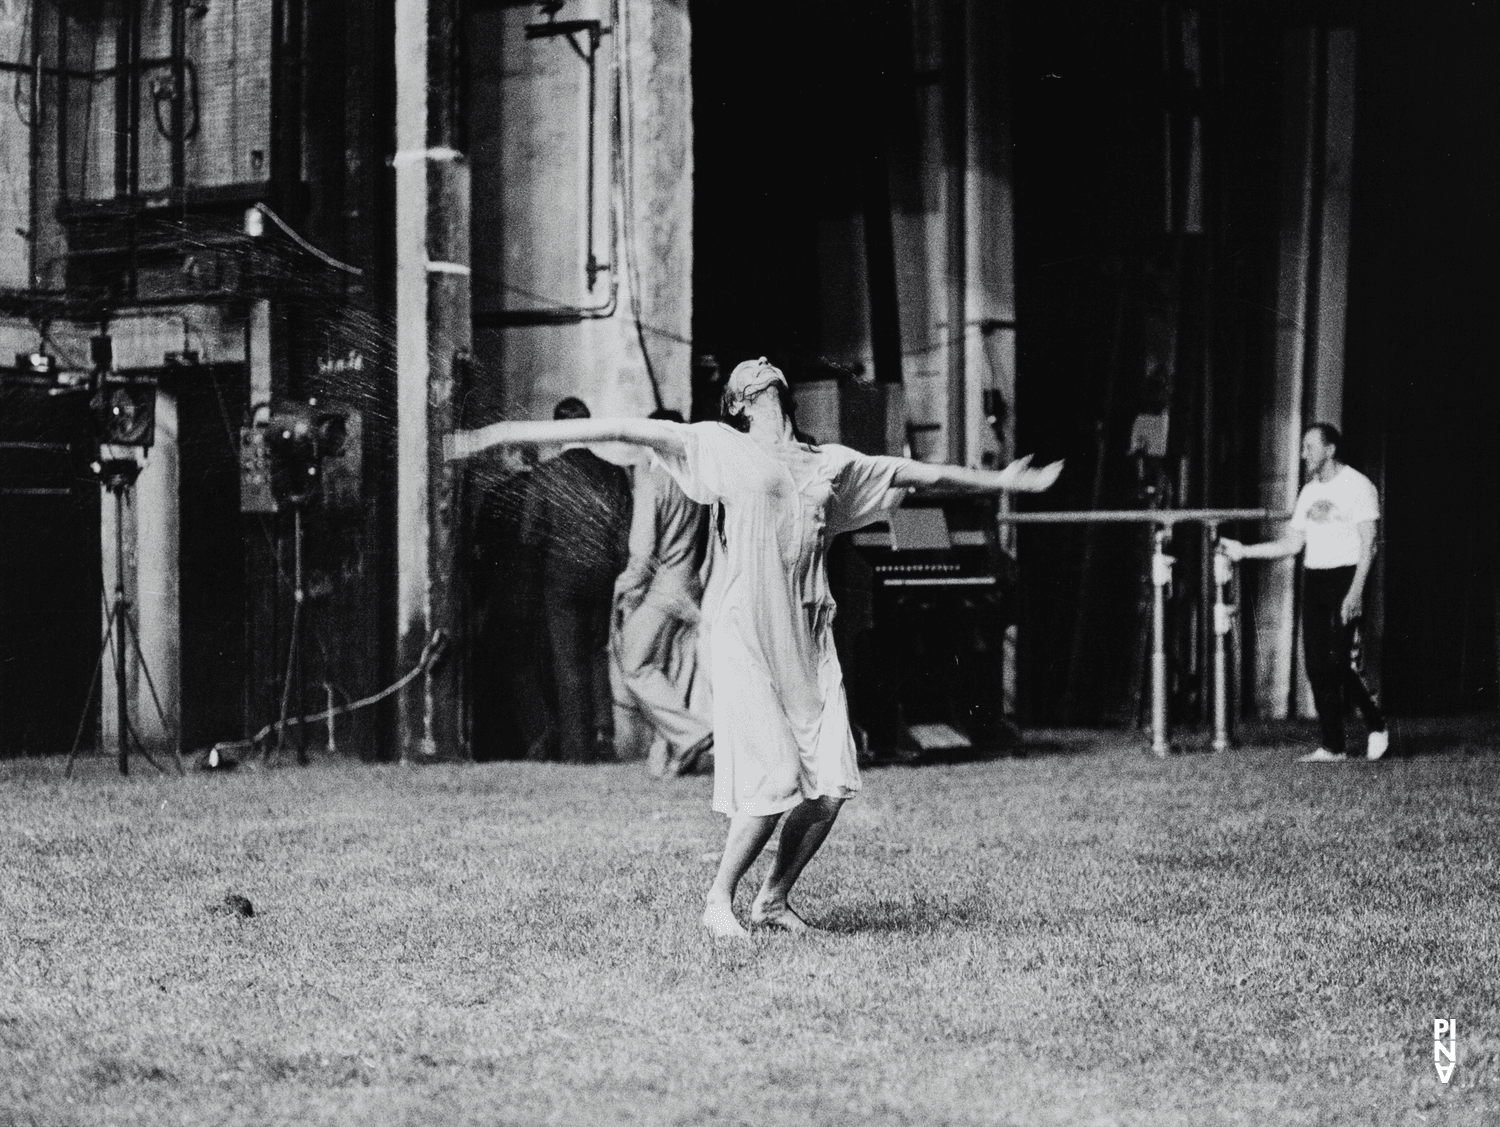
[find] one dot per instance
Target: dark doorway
(50, 612)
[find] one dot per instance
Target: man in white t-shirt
(1334, 525)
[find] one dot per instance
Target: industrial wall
(182, 180)
(582, 187)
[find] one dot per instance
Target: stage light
(298, 437)
(124, 409)
(36, 363)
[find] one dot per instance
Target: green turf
(1088, 936)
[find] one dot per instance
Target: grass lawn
(1080, 935)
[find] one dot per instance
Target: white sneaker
(1376, 744)
(1322, 755)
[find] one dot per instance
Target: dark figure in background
(578, 518)
(511, 631)
(1334, 522)
(657, 600)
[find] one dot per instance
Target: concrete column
(989, 263)
(919, 231)
(1326, 345)
(1281, 419)
(150, 538)
(1317, 158)
(433, 325)
(990, 287)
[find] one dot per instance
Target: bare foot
(718, 919)
(769, 913)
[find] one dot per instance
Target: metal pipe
(1164, 517)
(34, 155)
(119, 628)
(955, 170)
(179, 94)
(133, 107)
(1161, 579)
(63, 75)
(1223, 612)
(299, 626)
(592, 266)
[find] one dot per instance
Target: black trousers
(578, 630)
(1325, 644)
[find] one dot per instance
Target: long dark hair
(732, 413)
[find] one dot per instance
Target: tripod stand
(118, 477)
(296, 661)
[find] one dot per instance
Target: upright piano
(924, 603)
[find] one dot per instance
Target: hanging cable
(431, 653)
(625, 140)
(305, 245)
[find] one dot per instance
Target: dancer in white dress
(782, 741)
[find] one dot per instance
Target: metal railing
(1161, 579)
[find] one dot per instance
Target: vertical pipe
(286, 100)
(133, 109)
(179, 94)
(63, 66)
(592, 264)
(117, 624)
(1222, 573)
(299, 627)
(955, 170)
(1161, 577)
(34, 151)
(122, 100)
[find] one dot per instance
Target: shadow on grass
(1411, 737)
(884, 917)
(1026, 745)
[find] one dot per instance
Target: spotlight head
(124, 410)
(36, 363)
(295, 439)
(292, 449)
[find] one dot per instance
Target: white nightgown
(781, 724)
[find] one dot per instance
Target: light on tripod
(124, 416)
(124, 409)
(36, 363)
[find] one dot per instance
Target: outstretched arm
(1018, 477)
(660, 435)
(1288, 545)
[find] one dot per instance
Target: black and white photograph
(739, 562)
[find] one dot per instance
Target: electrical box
(255, 472)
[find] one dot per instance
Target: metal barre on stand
(1161, 578)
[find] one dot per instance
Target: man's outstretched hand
(1020, 477)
